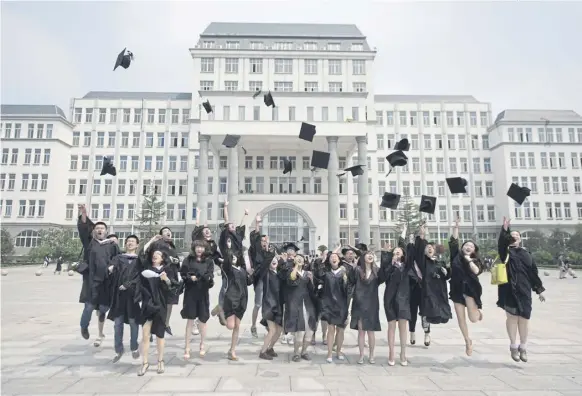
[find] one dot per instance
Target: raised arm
(84, 226)
(197, 216)
(258, 223)
(454, 241)
(226, 212)
(147, 246)
(504, 240)
(420, 244)
(244, 217)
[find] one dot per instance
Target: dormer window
(333, 46)
(357, 47)
(233, 45)
(310, 46)
(208, 44)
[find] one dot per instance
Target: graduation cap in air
(517, 193)
(403, 145)
(397, 158)
(268, 99)
(307, 132)
(427, 204)
(457, 185)
(319, 159)
(355, 170)
(230, 141)
(207, 106)
(290, 246)
(257, 93)
(123, 59)
(390, 201)
(108, 167)
(287, 166)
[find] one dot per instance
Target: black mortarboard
(390, 201)
(108, 167)
(397, 158)
(287, 166)
(257, 93)
(207, 106)
(307, 132)
(230, 141)
(319, 159)
(427, 204)
(123, 59)
(362, 247)
(517, 193)
(355, 170)
(403, 145)
(290, 245)
(268, 98)
(457, 185)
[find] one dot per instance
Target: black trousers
(415, 298)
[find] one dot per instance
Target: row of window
(151, 140)
(545, 135)
(391, 238)
(30, 182)
(453, 119)
(552, 185)
(285, 46)
(285, 66)
(554, 211)
(289, 115)
(173, 116)
(282, 86)
(427, 141)
(35, 131)
(26, 208)
(548, 160)
(30, 158)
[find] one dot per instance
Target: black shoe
(169, 330)
(271, 352)
(117, 357)
(85, 333)
(305, 356)
(265, 356)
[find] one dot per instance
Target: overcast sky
(512, 54)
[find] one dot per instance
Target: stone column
(363, 197)
(333, 206)
(202, 203)
(233, 207)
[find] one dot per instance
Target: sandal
(161, 367)
(202, 351)
(97, 342)
(144, 368)
(371, 360)
(469, 348)
(231, 356)
(187, 354)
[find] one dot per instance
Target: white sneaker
(195, 330)
(290, 339)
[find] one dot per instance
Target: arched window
(27, 238)
(287, 225)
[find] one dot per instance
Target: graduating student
(334, 302)
(124, 277)
(98, 251)
(465, 289)
(395, 267)
(285, 267)
(155, 288)
(197, 272)
(423, 252)
(300, 313)
(259, 255)
(272, 307)
(236, 294)
(515, 296)
(365, 315)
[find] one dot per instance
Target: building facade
(166, 144)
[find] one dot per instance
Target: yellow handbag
(499, 272)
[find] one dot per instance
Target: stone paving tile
(163, 384)
(11, 372)
(525, 393)
(234, 384)
(399, 383)
(446, 393)
(365, 393)
(469, 382)
(99, 385)
(312, 384)
(541, 382)
(37, 385)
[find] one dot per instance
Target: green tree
(543, 258)
(150, 215)
(574, 244)
(57, 242)
(7, 245)
(408, 216)
(536, 240)
(557, 242)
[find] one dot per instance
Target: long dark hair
(362, 267)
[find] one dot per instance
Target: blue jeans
(118, 334)
(88, 311)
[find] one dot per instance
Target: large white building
(166, 144)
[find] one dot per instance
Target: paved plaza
(42, 353)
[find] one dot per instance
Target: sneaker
(85, 333)
(135, 354)
(195, 330)
(283, 339)
(254, 332)
(305, 356)
(514, 354)
(117, 357)
(290, 339)
(426, 339)
(522, 354)
(271, 352)
(265, 356)
(412, 338)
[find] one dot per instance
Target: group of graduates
(295, 295)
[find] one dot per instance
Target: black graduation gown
(196, 303)
(173, 270)
(463, 281)
(435, 302)
(349, 267)
(522, 276)
(258, 257)
(397, 291)
(125, 272)
(365, 303)
(236, 296)
(154, 299)
(272, 306)
(334, 296)
(299, 293)
(212, 247)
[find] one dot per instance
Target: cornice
(283, 94)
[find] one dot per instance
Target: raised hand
(457, 221)
(226, 203)
(82, 208)
(258, 218)
(246, 212)
(505, 223)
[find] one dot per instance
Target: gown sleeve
(536, 281)
(401, 243)
(503, 243)
(85, 230)
(453, 248)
